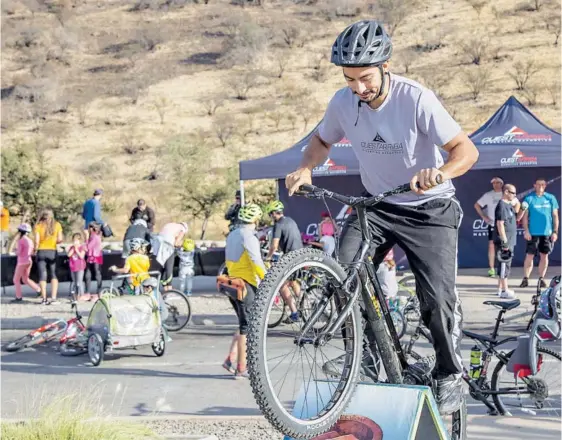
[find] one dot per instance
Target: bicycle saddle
(506, 305)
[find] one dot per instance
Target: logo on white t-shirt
(379, 146)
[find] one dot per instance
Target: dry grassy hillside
(106, 86)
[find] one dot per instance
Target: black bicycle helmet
(362, 44)
(504, 255)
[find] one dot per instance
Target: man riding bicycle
(396, 127)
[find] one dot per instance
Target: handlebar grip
(439, 179)
(306, 188)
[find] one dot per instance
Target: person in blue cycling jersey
(397, 128)
(540, 223)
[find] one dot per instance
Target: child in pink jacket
(24, 252)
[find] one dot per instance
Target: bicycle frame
(375, 303)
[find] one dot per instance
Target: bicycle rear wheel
(277, 312)
(531, 394)
(179, 310)
(293, 392)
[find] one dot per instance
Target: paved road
(189, 378)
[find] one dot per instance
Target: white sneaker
(507, 294)
(500, 293)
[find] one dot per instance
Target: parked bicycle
(528, 380)
(312, 347)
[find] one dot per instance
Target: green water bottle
(475, 362)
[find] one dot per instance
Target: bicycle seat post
(499, 320)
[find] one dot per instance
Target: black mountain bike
(528, 393)
(272, 352)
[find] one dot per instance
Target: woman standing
(48, 233)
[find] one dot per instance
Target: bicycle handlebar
(315, 192)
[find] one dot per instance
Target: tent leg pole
(277, 189)
(242, 197)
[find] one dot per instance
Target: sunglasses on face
(512, 192)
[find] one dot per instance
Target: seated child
(137, 264)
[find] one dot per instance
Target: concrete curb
(196, 321)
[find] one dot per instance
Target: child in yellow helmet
(187, 265)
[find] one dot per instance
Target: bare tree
(341, 8)
(408, 57)
(552, 22)
(276, 116)
(475, 48)
(292, 118)
(292, 33)
(477, 5)
(281, 61)
(224, 127)
(242, 82)
(435, 81)
(319, 67)
(307, 110)
(250, 118)
(82, 112)
(523, 71)
(161, 106)
(553, 88)
(477, 80)
(531, 93)
(212, 103)
(248, 45)
(537, 4)
(393, 12)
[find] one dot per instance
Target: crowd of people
(39, 245)
(537, 215)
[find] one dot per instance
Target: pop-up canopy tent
(516, 146)
(513, 144)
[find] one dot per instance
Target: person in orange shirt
(4, 226)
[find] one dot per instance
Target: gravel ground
(223, 430)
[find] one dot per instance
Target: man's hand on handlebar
(293, 181)
(426, 179)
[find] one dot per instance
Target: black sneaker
(45, 303)
(525, 282)
(17, 300)
(368, 369)
(448, 392)
(542, 283)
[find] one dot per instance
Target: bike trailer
(126, 321)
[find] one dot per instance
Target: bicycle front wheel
(288, 373)
(179, 310)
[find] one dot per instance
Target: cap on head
(98, 192)
(497, 179)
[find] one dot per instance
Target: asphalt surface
(189, 380)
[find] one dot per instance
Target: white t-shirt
(490, 200)
(395, 141)
(329, 244)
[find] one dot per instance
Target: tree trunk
(204, 228)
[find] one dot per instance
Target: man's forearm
(479, 211)
(316, 153)
(555, 223)
(461, 159)
(525, 222)
(501, 232)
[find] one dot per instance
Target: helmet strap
(383, 83)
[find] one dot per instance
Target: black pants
(96, 269)
(46, 259)
(428, 234)
(242, 308)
